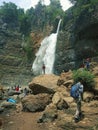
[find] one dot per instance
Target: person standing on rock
(17, 88)
(87, 63)
(78, 99)
(43, 68)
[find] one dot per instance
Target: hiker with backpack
(76, 92)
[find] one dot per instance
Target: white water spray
(46, 54)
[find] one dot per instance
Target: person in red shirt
(17, 88)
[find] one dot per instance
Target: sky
(26, 4)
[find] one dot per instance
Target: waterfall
(46, 54)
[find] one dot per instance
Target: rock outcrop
(44, 84)
(35, 103)
(78, 38)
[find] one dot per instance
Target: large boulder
(88, 96)
(59, 101)
(65, 79)
(50, 114)
(12, 92)
(44, 84)
(8, 105)
(34, 103)
(96, 83)
(62, 98)
(95, 70)
(62, 105)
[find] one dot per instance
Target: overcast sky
(26, 4)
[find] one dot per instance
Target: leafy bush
(86, 76)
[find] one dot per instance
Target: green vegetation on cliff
(33, 19)
(41, 16)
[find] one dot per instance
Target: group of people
(86, 65)
(78, 100)
(18, 88)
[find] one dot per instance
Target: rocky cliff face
(14, 68)
(78, 40)
(65, 53)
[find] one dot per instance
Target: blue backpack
(74, 92)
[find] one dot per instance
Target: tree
(39, 13)
(25, 25)
(9, 14)
(31, 15)
(54, 10)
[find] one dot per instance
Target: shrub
(86, 76)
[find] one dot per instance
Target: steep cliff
(14, 68)
(78, 39)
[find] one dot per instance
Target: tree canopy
(33, 18)
(9, 13)
(42, 15)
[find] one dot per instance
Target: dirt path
(28, 121)
(22, 121)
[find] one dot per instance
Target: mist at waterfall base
(46, 54)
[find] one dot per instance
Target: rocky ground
(28, 121)
(50, 106)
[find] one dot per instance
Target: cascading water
(46, 54)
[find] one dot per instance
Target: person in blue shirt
(87, 63)
(78, 101)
